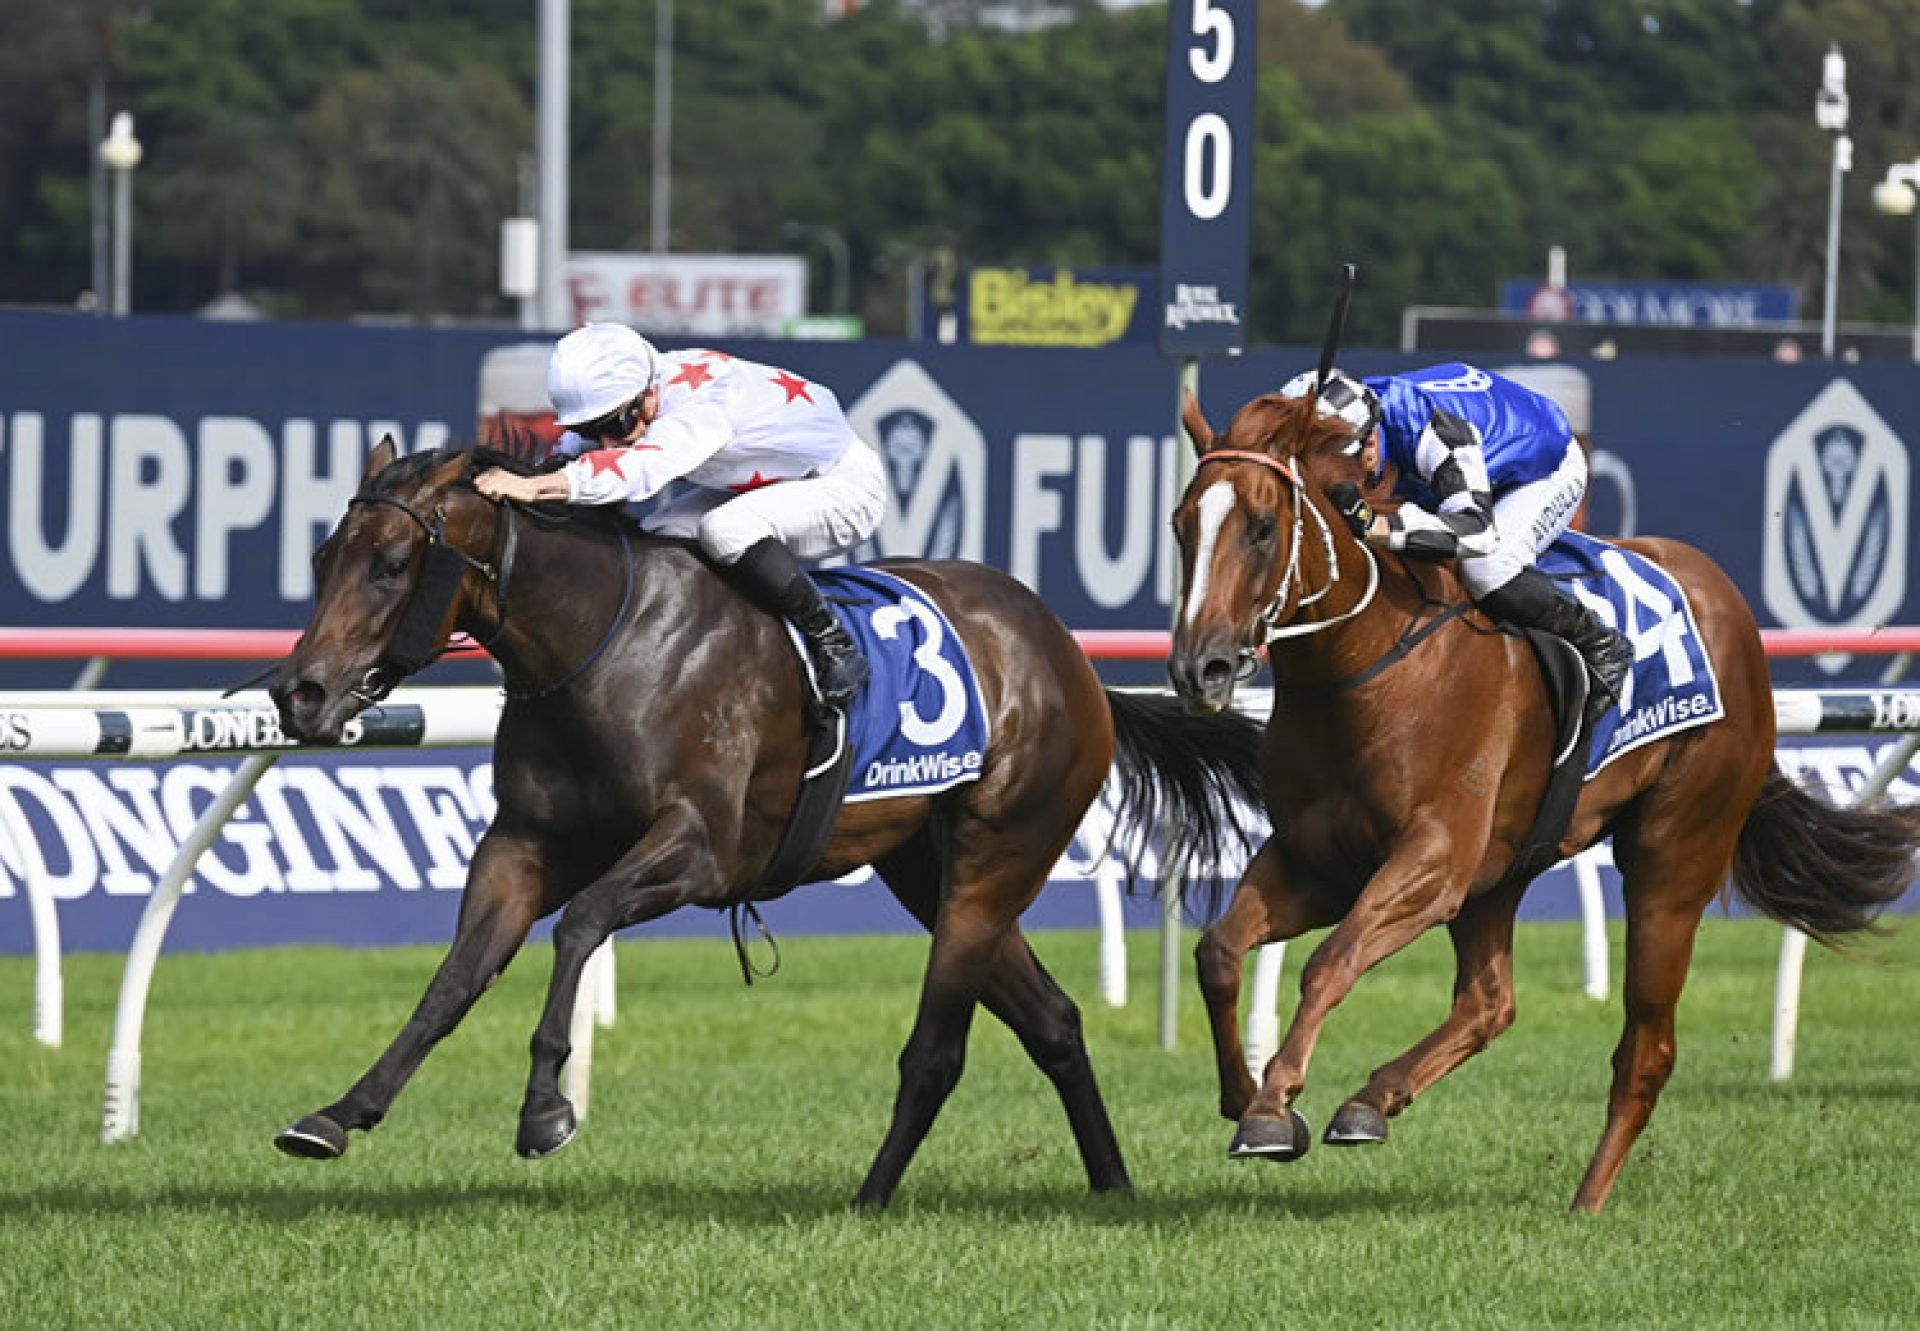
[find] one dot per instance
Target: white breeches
(814, 516)
(1527, 519)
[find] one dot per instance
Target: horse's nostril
(307, 694)
(1217, 671)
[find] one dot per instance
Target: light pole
(836, 246)
(660, 201)
(551, 163)
(1830, 113)
(1897, 196)
(120, 152)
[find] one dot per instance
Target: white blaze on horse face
(1214, 506)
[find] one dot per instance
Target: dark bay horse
(1402, 789)
(651, 747)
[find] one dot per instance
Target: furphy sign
(175, 473)
(160, 472)
(146, 509)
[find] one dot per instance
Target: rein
(606, 639)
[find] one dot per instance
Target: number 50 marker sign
(1205, 205)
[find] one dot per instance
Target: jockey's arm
(672, 446)
(1453, 464)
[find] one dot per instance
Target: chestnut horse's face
(364, 574)
(1244, 529)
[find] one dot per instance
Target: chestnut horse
(650, 750)
(1403, 773)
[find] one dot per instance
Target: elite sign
(1205, 205)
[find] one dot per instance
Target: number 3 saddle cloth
(919, 725)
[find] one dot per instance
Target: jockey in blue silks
(1490, 474)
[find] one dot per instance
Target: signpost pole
(1170, 882)
(1205, 217)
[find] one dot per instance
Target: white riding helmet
(1344, 396)
(597, 369)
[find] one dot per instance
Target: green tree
(233, 194)
(412, 170)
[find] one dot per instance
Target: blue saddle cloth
(1672, 687)
(919, 725)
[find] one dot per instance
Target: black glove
(1350, 504)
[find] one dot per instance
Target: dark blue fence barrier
(159, 472)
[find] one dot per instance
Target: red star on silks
(795, 386)
(604, 460)
(755, 481)
(692, 374)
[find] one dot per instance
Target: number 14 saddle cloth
(1672, 686)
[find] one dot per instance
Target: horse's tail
(1193, 778)
(1824, 870)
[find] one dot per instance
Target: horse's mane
(1284, 428)
(514, 449)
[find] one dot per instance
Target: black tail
(1823, 870)
(1185, 774)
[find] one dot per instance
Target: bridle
(1266, 626)
(416, 641)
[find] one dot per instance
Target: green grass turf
(730, 1127)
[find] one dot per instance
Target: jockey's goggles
(619, 422)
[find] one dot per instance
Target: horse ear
(450, 471)
(1198, 431)
(379, 460)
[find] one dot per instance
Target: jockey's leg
(1531, 599)
(1506, 584)
(769, 576)
(756, 537)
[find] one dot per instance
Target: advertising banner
(1052, 307)
(1657, 304)
(175, 473)
(695, 295)
(371, 850)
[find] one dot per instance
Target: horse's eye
(1260, 531)
(391, 566)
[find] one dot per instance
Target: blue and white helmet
(1344, 397)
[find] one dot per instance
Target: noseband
(1266, 625)
(416, 642)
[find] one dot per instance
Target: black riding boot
(1532, 600)
(769, 576)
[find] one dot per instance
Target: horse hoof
(315, 1137)
(1277, 1139)
(544, 1133)
(1356, 1125)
